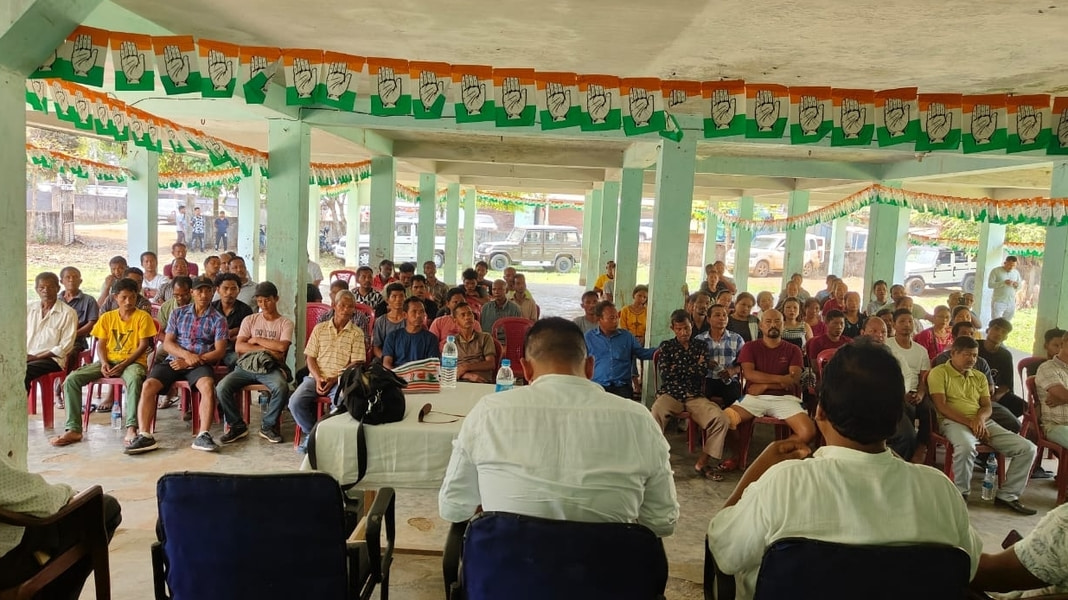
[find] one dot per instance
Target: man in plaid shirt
(682, 363)
(723, 348)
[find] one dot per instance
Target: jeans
(1020, 451)
(229, 389)
(133, 376)
(303, 403)
(197, 242)
(224, 238)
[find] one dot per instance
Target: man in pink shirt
(830, 340)
(445, 324)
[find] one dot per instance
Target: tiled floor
(99, 460)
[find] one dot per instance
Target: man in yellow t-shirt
(603, 279)
(124, 336)
(962, 397)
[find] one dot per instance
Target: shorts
(167, 376)
(766, 405)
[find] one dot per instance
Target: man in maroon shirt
(830, 340)
(772, 372)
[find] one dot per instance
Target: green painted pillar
(315, 213)
(609, 221)
(467, 258)
(352, 224)
(587, 220)
(836, 255)
(14, 425)
(594, 266)
(428, 204)
(452, 232)
(795, 238)
(711, 225)
(671, 242)
(888, 237)
(383, 214)
(288, 160)
(142, 202)
(630, 214)
(1053, 301)
(990, 254)
(743, 241)
(248, 223)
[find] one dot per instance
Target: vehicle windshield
(764, 243)
(517, 235)
(923, 256)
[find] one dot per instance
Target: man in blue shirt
(411, 342)
(612, 350)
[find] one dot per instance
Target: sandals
(727, 466)
(101, 408)
(168, 402)
(708, 472)
(68, 438)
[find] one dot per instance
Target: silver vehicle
(932, 266)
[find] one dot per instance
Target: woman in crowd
(854, 319)
(632, 316)
(880, 295)
(742, 321)
(765, 301)
(813, 318)
(937, 338)
(794, 329)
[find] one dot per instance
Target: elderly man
(1004, 280)
(263, 343)
(438, 289)
(1051, 382)
(332, 347)
(498, 307)
(528, 309)
(247, 292)
(858, 485)
(574, 464)
(51, 327)
(476, 353)
(445, 323)
(195, 340)
(385, 275)
(411, 342)
(612, 350)
(86, 307)
(587, 321)
(962, 397)
(772, 370)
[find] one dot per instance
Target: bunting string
(79, 167)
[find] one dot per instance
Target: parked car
(554, 246)
(645, 230)
(405, 244)
(935, 266)
(767, 255)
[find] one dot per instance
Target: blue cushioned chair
(266, 536)
(527, 558)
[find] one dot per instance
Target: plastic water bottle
(116, 415)
(505, 378)
(449, 357)
(990, 480)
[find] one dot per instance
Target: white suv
(767, 255)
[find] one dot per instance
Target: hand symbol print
(723, 109)
(305, 78)
(598, 104)
(810, 115)
(132, 62)
(473, 93)
(429, 88)
(177, 65)
(220, 71)
(939, 122)
(641, 106)
(389, 87)
(514, 97)
(1028, 124)
(338, 79)
(896, 116)
(766, 110)
(83, 57)
(852, 118)
(984, 122)
(558, 100)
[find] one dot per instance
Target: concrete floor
(99, 460)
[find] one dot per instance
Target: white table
(405, 454)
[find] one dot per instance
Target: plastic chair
(822, 359)
(312, 312)
(44, 387)
(303, 555)
(344, 274)
(519, 557)
(83, 519)
(514, 331)
(1032, 420)
(322, 403)
(936, 439)
(1027, 363)
(692, 430)
(499, 349)
(805, 569)
(117, 383)
(370, 312)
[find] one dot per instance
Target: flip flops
(68, 438)
(708, 472)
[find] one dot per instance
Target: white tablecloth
(405, 454)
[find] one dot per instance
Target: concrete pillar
(743, 241)
(671, 241)
(1053, 301)
(288, 160)
(315, 213)
(360, 198)
(609, 221)
(594, 265)
(990, 254)
(452, 233)
(630, 213)
(836, 252)
(142, 202)
(888, 235)
(587, 219)
(428, 203)
(795, 238)
(711, 225)
(470, 210)
(248, 223)
(383, 214)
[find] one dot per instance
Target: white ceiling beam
(536, 186)
(641, 155)
(937, 166)
(520, 171)
(779, 167)
(705, 180)
(508, 153)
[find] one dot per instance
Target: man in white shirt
(1051, 383)
(1004, 280)
(913, 362)
(864, 494)
(50, 329)
(572, 451)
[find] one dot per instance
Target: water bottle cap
(451, 338)
(506, 363)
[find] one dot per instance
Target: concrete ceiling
(864, 43)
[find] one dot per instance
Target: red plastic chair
(1053, 449)
(1026, 363)
(312, 312)
(321, 404)
(745, 432)
(692, 431)
(514, 330)
(343, 274)
(499, 349)
(44, 387)
(822, 359)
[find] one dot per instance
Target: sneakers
(141, 444)
(271, 435)
(236, 432)
(204, 443)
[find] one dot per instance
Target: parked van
(767, 255)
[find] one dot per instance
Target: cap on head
(201, 282)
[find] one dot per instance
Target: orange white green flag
(179, 66)
(600, 102)
(811, 117)
(473, 87)
(120, 121)
(302, 68)
(431, 81)
(259, 64)
(558, 100)
(725, 108)
(854, 117)
(1029, 122)
(37, 94)
(940, 122)
(897, 116)
(134, 62)
(643, 105)
(391, 93)
(219, 63)
(984, 118)
(337, 87)
(767, 109)
(514, 92)
(1058, 141)
(88, 53)
(679, 97)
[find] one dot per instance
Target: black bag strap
(361, 451)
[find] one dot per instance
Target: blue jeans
(303, 405)
(228, 391)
